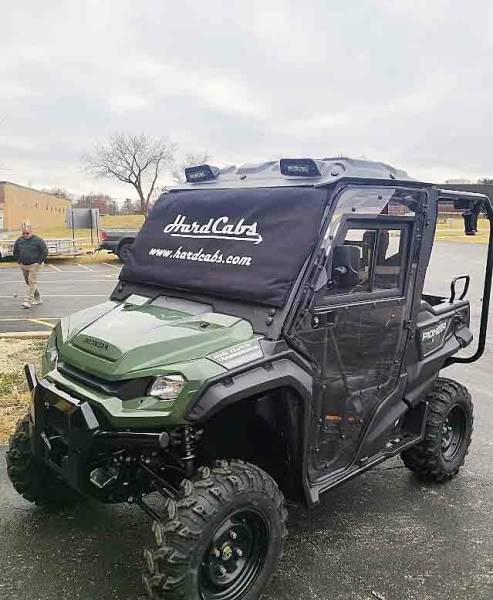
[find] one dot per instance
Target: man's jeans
(30, 273)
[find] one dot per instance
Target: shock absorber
(188, 449)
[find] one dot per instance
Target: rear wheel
(124, 250)
(33, 480)
(222, 540)
(449, 427)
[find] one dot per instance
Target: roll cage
(462, 199)
(468, 200)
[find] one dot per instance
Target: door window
(381, 251)
(365, 241)
(389, 260)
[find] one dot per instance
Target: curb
(25, 334)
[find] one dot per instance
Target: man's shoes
(37, 301)
(26, 305)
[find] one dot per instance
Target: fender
(264, 376)
(235, 386)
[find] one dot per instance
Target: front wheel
(33, 480)
(223, 539)
(442, 452)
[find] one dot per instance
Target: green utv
(269, 336)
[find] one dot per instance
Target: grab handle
(464, 291)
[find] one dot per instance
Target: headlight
(167, 387)
(51, 351)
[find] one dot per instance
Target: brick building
(19, 204)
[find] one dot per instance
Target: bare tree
(134, 159)
(190, 160)
(59, 192)
(105, 203)
(128, 207)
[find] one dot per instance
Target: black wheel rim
(235, 557)
(453, 432)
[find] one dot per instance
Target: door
(354, 331)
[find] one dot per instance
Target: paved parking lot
(65, 288)
(381, 536)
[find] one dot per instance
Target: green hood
(116, 340)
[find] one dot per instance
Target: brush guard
(54, 409)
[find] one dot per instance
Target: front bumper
(66, 433)
(62, 429)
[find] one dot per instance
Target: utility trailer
(56, 247)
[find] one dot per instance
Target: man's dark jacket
(31, 250)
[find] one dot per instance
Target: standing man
(30, 251)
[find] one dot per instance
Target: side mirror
(470, 213)
(346, 264)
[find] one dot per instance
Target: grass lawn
(453, 231)
(14, 395)
(106, 222)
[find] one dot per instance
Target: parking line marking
(112, 266)
(27, 319)
(67, 296)
(40, 322)
(73, 271)
(86, 267)
(53, 267)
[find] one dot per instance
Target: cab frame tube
(483, 328)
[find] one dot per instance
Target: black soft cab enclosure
(243, 244)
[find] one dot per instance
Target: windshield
(241, 244)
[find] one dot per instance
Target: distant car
(118, 241)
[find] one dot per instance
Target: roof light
(299, 167)
(201, 173)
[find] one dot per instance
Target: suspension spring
(188, 449)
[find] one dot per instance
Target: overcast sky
(409, 82)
